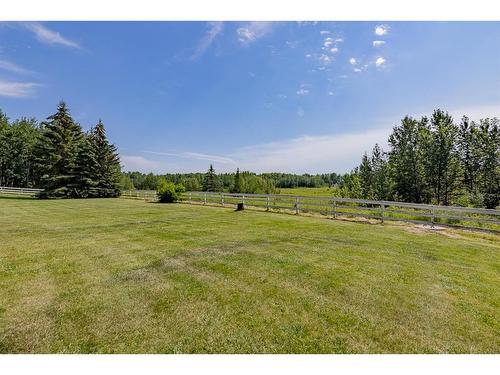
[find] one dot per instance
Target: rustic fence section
(19, 191)
(476, 218)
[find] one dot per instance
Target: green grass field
(307, 192)
(125, 276)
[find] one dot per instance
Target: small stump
(240, 207)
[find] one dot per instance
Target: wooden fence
(474, 218)
(148, 195)
(19, 191)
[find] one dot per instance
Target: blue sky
(261, 96)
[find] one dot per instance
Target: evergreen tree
(58, 154)
(237, 186)
(87, 168)
(108, 174)
(210, 183)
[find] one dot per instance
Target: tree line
(430, 160)
(434, 160)
(58, 156)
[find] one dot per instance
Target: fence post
(189, 197)
(297, 202)
(222, 199)
(267, 203)
(433, 217)
(243, 200)
(205, 198)
(334, 209)
(382, 208)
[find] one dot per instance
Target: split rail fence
(475, 218)
(19, 191)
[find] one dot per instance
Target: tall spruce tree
(58, 154)
(238, 183)
(108, 173)
(210, 182)
(87, 167)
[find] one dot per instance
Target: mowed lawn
(125, 276)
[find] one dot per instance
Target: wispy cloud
(139, 163)
(353, 61)
(45, 35)
(17, 89)
(381, 30)
(213, 30)
(12, 67)
(312, 154)
(378, 43)
(195, 155)
(252, 31)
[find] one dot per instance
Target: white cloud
(253, 31)
(331, 93)
(378, 43)
(334, 50)
(381, 30)
(357, 70)
(311, 154)
(292, 44)
(380, 62)
(17, 89)
(353, 61)
(214, 29)
(45, 35)
(12, 67)
(328, 42)
(338, 40)
(308, 55)
(302, 92)
(324, 32)
(139, 163)
(195, 156)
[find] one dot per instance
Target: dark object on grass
(240, 207)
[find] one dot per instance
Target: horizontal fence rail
(148, 195)
(19, 191)
(464, 217)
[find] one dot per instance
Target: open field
(307, 192)
(118, 275)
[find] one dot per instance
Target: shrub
(168, 192)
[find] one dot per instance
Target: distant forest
(429, 160)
